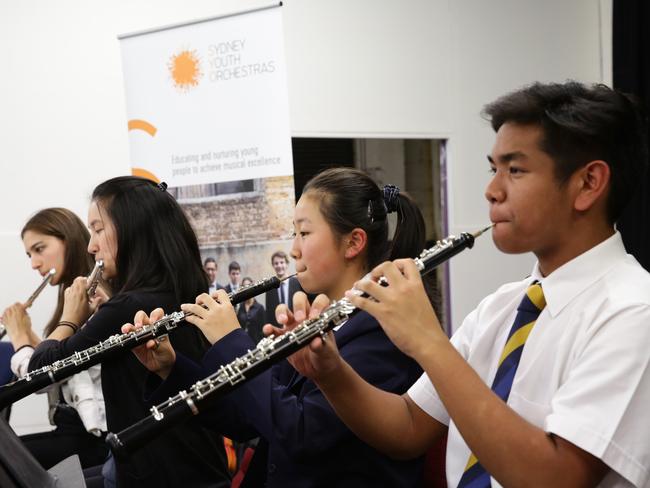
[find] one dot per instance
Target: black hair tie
(391, 198)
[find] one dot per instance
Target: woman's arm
(104, 323)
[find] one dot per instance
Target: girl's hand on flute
(19, 326)
(402, 308)
(157, 355)
(321, 357)
(75, 307)
(100, 297)
(214, 315)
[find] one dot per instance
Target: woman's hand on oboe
(214, 315)
(321, 357)
(402, 308)
(157, 355)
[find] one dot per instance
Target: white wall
(425, 68)
(373, 68)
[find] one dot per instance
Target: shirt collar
(572, 278)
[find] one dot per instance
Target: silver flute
(268, 351)
(33, 296)
(113, 346)
(94, 278)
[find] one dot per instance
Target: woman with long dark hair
(151, 259)
(55, 238)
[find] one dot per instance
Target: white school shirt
(584, 373)
(283, 289)
(82, 391)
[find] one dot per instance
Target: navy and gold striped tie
(529, 309)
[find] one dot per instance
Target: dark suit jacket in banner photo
(273, 300)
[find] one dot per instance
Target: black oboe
(113, 346)
(268, 351)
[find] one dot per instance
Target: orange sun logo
(185, 69)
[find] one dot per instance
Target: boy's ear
(355, 242)
(593, 184)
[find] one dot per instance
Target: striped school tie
(529, 309)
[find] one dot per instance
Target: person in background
(210, 267)
(57, 238)
(251, 315)
(234, 274)
(286, 290)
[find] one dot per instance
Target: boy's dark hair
(157, 249)
(233, 265)
(582, 124)
(209, 260)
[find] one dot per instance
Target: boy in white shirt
(565, 162)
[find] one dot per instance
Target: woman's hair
(349, 198)
(157, 249)
(67, 227)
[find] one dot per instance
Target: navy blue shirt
(308, 445)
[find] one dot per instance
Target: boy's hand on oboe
(157, 355)
(402, 308)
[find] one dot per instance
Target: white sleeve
(20, 361)
(81, 393)
(602, 405)
(423, 393)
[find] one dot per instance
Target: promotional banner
(207, 101)
(208, 114)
